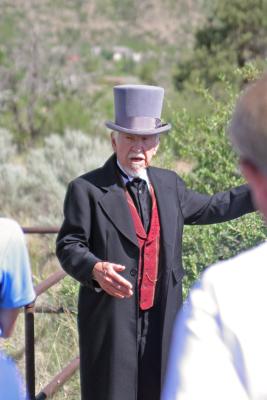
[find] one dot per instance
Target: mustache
(138, 155)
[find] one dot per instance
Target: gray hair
(248, 126)
(115, 134)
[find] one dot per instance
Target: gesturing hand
(106, 274)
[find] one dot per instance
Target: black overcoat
(98, 226)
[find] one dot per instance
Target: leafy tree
(234, 34)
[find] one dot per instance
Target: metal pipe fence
(29, 312)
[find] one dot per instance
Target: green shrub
(202, 142)
(233, 35)
(33, 185)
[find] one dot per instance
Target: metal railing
(30, 310)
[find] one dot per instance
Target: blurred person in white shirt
(219, 345)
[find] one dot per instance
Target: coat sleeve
(198, 208)
(72, 246)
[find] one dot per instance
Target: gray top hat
(138, 110)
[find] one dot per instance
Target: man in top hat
(121, 239)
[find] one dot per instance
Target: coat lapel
(114, 202)
(117, 210)
(165, 199)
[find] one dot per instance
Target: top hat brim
(164, 128)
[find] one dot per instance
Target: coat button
(133, 272)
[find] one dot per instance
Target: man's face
(134, 152)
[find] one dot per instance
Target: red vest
(149, 252)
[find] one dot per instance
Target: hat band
(139, 123)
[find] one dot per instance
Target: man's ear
(258, 184)
(156, 149)
(255, 178)
(157, 146)
(113, 141)
(250, 172)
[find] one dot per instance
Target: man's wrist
(93, 271)
(93, 274)
(95, 283)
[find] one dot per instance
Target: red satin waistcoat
(149, 252)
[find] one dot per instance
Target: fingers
(120, 287)
(113, 291)
(117, 278)
(108, 276)
(115, 283)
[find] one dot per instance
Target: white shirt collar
(143, 175)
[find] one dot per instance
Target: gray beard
(134, 174)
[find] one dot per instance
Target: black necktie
(139, 192)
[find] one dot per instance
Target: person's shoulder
(234, 286)
(10, 233)
(89, 177)
(87, 180)
(239, 268)
(96, 177)
(164, 173)
(168, 177)
(9, 225)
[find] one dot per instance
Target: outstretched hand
(108, 277)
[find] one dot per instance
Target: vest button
(133, 272)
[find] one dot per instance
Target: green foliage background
(234, 34)
(203, 142)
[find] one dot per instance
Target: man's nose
(138, 145)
